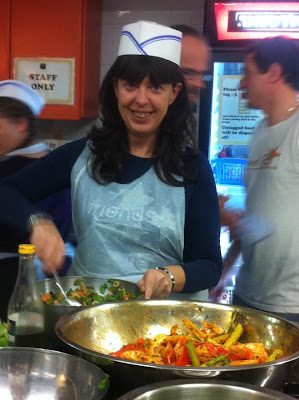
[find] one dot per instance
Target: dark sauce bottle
(25, 308)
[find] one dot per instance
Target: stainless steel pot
(27, 374)
(54, 312)
(99, 330)
(205, 389)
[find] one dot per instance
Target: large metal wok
(54, 312)
(99, 330)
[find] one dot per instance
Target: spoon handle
(58, 282)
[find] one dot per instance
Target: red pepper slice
(117, 353)
(211, 349)
(222, 351)
(183, 360)
(130, 346)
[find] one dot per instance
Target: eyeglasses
(192, 74)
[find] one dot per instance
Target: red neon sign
(237, 21)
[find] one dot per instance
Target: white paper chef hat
(19, 91)
(149, 38)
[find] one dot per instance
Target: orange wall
(61, 29)
(4, 39)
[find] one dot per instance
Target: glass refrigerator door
(231, 130)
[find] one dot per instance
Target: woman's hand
(229, 260)
(156, 283)
(49, 245)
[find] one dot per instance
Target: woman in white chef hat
(144, 201)
(19, 107)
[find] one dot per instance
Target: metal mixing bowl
(99, 330)
(207, 390)
(38, 374)
(54, 312)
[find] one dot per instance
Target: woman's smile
(141, 115)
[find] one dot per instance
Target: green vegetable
(113, 290)
(3, 335)
(237, 332)
(98, 298)
(192, 354)
(210, 340)
(85, 300)
(3, 329)
(231, 322)
(104, 383)
(111, 298)
(275, 355)
(87, 295)
(217, 360)
(103, 288)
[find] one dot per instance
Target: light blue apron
(123, 230)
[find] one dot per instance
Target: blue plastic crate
(230, 171)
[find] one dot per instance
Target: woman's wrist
(179, 276)
(170, 276)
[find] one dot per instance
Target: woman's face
(143, 107)
(12, 135)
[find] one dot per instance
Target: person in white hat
(144, 201)
(19, 106)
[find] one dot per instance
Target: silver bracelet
(169, 274)
(36, 217)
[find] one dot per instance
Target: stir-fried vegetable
(237, 332)
(88, 295)
(210, 346)
(192, 354)
(277, 353)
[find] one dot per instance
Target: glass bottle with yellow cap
(25, 308)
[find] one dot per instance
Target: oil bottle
(25, 307)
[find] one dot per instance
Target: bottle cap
(26, 249)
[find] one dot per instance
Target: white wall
(115, 14)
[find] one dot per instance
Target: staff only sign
(51, 77)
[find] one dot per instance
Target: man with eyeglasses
(195, 60)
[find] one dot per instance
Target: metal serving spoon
(71, 302)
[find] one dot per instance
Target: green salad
(88, 295)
